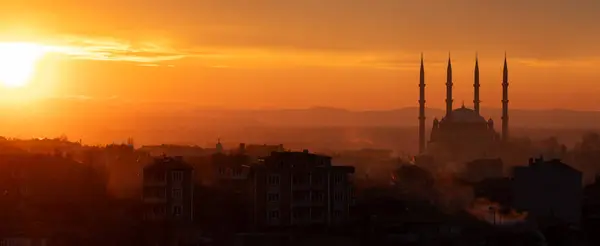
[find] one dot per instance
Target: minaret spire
(422, 107)
(476, 100)
(505, 100)
(219, 146)
(449, 87)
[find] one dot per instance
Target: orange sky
(355, 54)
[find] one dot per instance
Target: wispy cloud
(149, 65)
(154, 54)
(82, 98)
(338, 59)
(545, 63)
(400, 62)
(110, 49)
(77, 97)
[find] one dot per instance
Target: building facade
(231, 171)
(168, 190)
(482, 169)
(548, 190)
(299, 189)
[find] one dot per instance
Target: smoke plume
(493, 213)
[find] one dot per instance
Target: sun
(18, 62)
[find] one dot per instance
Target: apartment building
(299, 189)
(168, 190)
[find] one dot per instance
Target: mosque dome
(466, 115)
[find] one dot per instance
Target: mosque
(462, 134)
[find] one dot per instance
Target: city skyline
(269, 55)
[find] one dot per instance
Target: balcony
(154, 199)
(301, 202)
(318, 202)
(318, 185)
(301, 186)
(318, 218)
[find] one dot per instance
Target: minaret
(476, 100)
(505, 101)
(219, 146)
(422, 108)
(449, 88)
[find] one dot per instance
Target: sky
(353, 54)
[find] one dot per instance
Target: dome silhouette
(465, 115)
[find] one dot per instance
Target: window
(300, 214)
(159, 177)
(296, 214)
(299, 179)
(338, 196)
(177, 210)
(273, 179)
(338, 178)
(318, 196)
(316, 213)
(237, 172)
(337, 213)
(273, 215)
(16, 241)
(177, 193)
(158, 210)
(177, 176)
(301, 196)
(273, 197)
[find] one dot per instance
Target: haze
(297, 54)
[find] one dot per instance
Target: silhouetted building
(168, 190)
(175, 150)
(462, 134)
(413, 180)
(23, 241)
(261, 150)
(231, 170)
(300, 188)
(548, 191)
(481, 169)
(591, 211)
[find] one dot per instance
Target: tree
(63, 138)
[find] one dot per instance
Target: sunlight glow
(18, 62)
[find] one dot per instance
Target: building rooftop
(175, 162)
(556, 163)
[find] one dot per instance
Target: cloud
(149, 65)
(111, 49)
(78, 97)
(551, 63)
(270, 58)
(400, 62)
(83, 97)
(154, 54)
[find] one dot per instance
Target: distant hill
(114, 120)
(556, 118)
